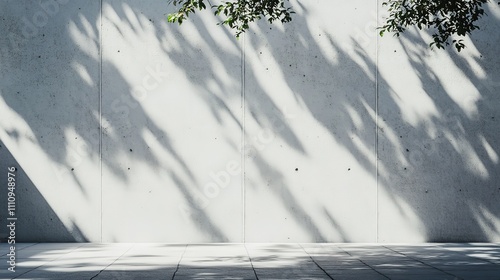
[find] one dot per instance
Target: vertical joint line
(242, 153)
(100, 111)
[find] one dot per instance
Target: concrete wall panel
(438, 145)
(310, 154)
(172, 128)
(49, 112)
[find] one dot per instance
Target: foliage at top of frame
(444, 18)
(237, 14)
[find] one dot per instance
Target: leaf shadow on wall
(424, 167)
(440, 170)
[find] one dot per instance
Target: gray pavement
(252, 261)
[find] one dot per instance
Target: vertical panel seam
(242, 152)
(100, 113)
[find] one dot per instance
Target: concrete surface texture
(124, 128)
(254, 261)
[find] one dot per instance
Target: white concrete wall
(125, 128)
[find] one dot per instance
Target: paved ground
(252, 261)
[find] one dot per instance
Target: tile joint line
(112, 262)
(180, 260)
(303, 249)
(251, 263)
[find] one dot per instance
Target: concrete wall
(124, 128)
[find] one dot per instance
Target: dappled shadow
(325, 126)
(52, 81)
(443, 166)
(255, 261)
(448, 174)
